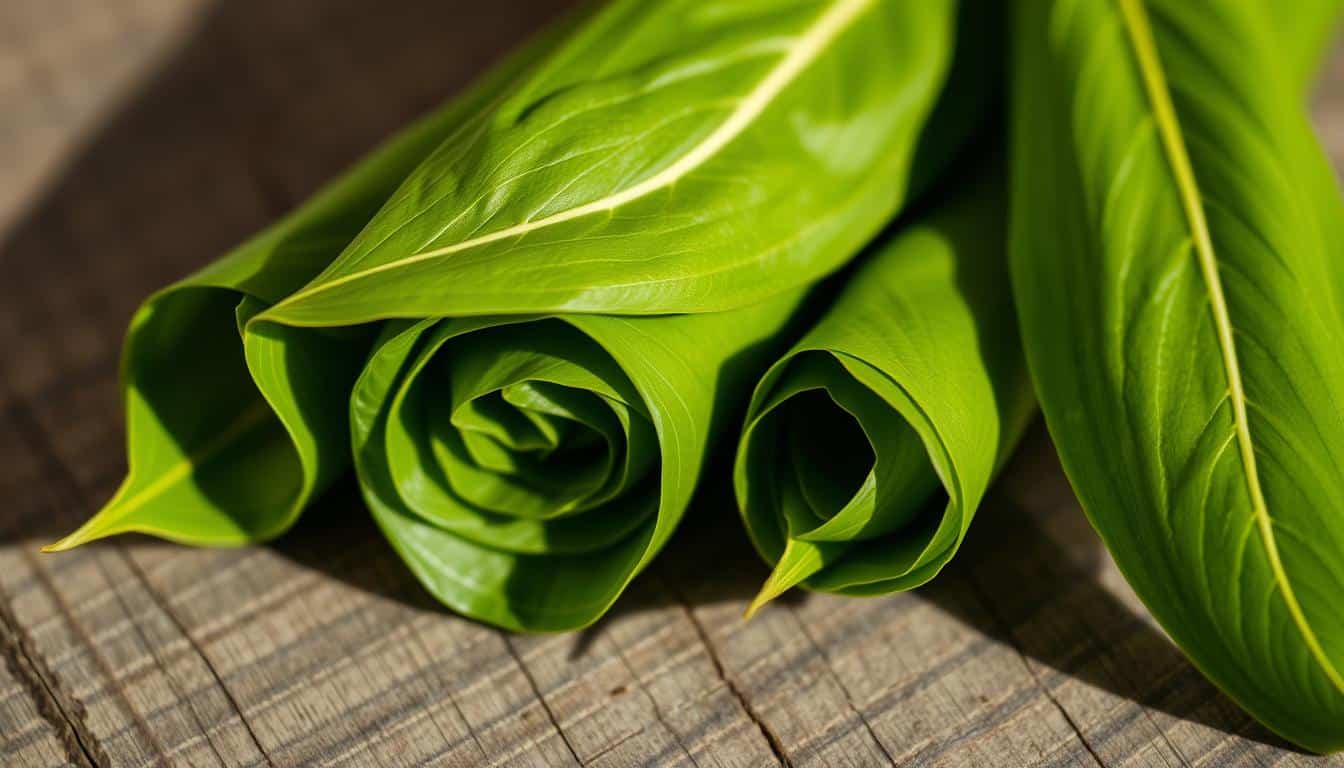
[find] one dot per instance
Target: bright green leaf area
(532, 311)
(870, 444)
(530, 316)
(675, 156)
(1175, 251)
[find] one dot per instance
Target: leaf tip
(799, 561)
(94, 528)
(756, 604)
(67, 543)
(780, 581)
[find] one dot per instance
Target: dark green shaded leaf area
(1176, 251)
(528, 318)
(869, 445)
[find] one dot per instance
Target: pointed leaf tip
(800, 560)
(772, 589)
(75, 538)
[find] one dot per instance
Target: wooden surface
(140, 138)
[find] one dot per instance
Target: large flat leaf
(1176, 254)
(870, 444)
(672, 156)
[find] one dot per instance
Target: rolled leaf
(527, 467)
(868, 447)
(529, 445)
(217, 455)
(1175, 252)
(576, 282)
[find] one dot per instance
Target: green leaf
(1175, 252)
(582, 278)
(233, 426)
(671, 156)
(530, 434)
(868, 447)
(1304, 29)
(591, 433)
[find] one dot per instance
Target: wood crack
(167, 609)
(66, 719)
(849, 700)
(776, 746)
(1006, 632)
(536, 692)
(653, 704)
(35, 436)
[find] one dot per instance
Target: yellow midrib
(808, 46)
(1135, 18)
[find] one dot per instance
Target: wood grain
(140, 138)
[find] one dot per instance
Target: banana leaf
(529, 452)
(527, 467)
(1175, 253)
(602, 239)
(214, 458)
(1304, 30)
(868, 447)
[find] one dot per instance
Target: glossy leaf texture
(527, 467)
(1176, 255)
(231, 427)
(576, 281)
(868, 447)
(528, 455)
(670, 156)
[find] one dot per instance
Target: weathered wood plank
(862, 682)
(62, 63)
(321, 649)
(109, 652)
(643, 683)
(37, 731)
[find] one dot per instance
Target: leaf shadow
(244, 108)
(1044, 585)
(708, 561)
(243, 111)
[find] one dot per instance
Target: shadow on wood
(255, 107)
(1044, 597)
(708, 560)
(259, 105)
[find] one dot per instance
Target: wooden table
(139, 139)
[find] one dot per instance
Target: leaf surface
(232, 427)
(869, 445)
(563, 565)
(583, 289)
(672, 156)
(576, 276)
(1304, 29)
(1176, 260)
